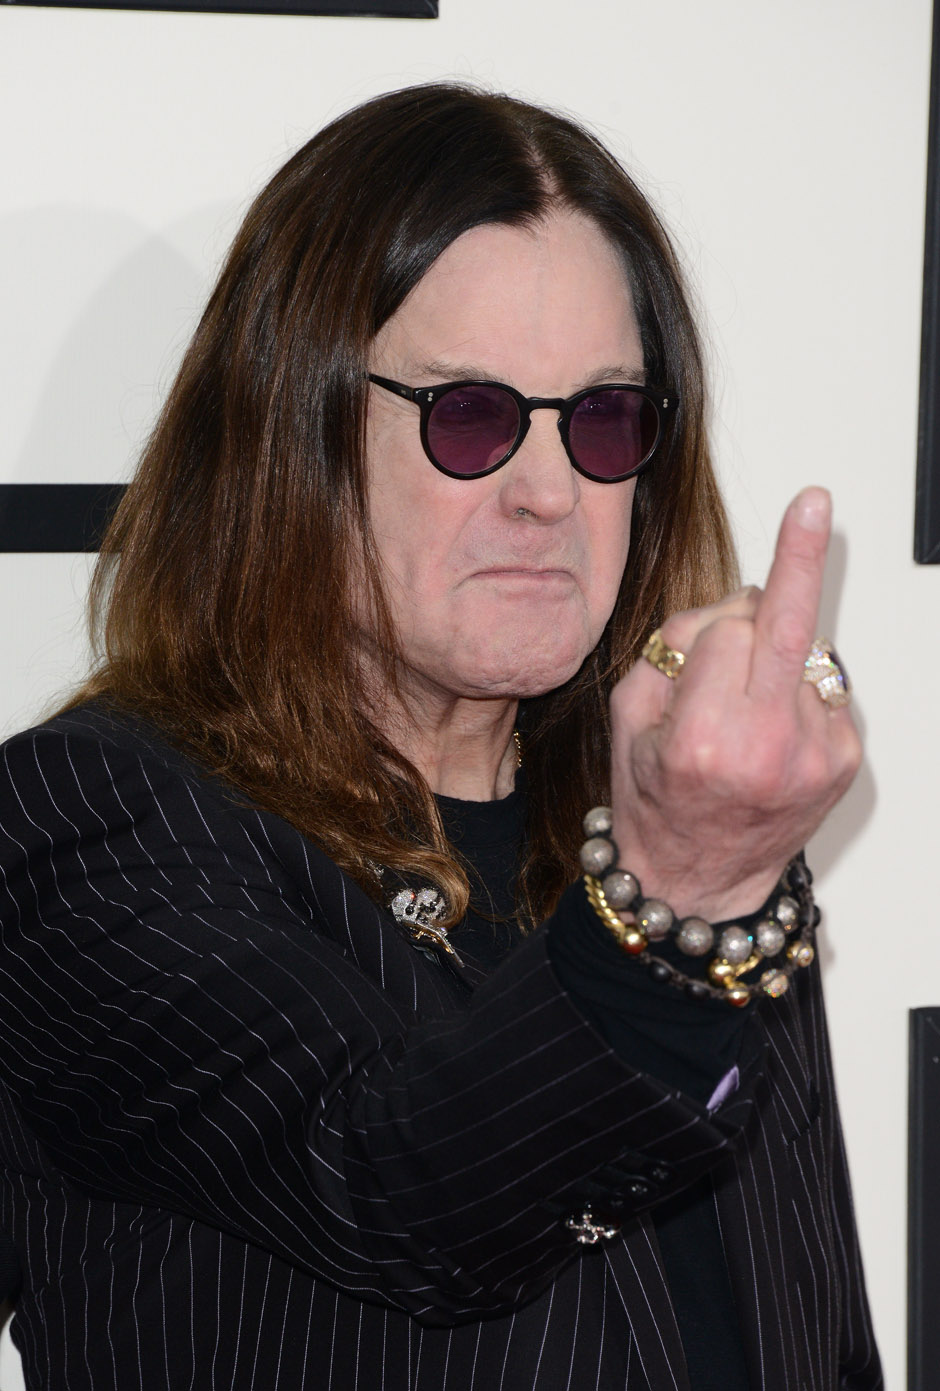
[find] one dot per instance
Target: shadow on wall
(97, 313)
(98, 316)
(852, 814)
(97, 309)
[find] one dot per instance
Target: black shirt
(689, 1044)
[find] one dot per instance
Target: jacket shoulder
(97, 725)
(106, 785)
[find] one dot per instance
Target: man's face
(500, 586)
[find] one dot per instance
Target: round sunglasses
(470, 429)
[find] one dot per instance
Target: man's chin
(525, 676)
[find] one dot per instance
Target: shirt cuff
(689, 1044)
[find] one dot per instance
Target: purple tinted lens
(471, 428)
(613, 432)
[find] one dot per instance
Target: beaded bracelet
(779, 936)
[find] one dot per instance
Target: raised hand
(720, 776)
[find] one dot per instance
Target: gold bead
(721, 971)
(628, 935)
(801, 953)
(738, 995)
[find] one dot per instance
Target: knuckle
(850, 749)
(703, 760)
(631, 705)
(714, 622)
(699, 754)
(744, 600)
(680, 629)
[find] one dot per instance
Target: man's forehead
(546, 309)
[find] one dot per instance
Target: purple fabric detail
(726, 1087)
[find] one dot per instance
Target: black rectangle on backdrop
(923, 1201)
(56, 516)
(379, 9)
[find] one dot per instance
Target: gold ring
(824, 670)
(663, 658)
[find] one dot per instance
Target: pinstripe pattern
(252, 1138)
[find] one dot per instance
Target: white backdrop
(785, 144)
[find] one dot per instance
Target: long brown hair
(221, 601)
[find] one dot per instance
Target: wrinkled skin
(500, 586)
(720, 776)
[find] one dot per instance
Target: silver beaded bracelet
(778, 937)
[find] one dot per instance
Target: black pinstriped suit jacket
(251, 1138)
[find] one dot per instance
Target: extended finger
(785, 620)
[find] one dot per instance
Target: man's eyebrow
(433, 371)
(635, 376)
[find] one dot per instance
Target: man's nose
(539, 479)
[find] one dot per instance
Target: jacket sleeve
(184, 1031)
(858, 1358)
(824, 1236)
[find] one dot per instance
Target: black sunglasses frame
(664, 400)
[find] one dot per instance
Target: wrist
(687, 896)
(747, 953)
(698, 887)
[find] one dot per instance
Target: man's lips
(532, 572)
(540, 579)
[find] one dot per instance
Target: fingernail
(812, 508)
